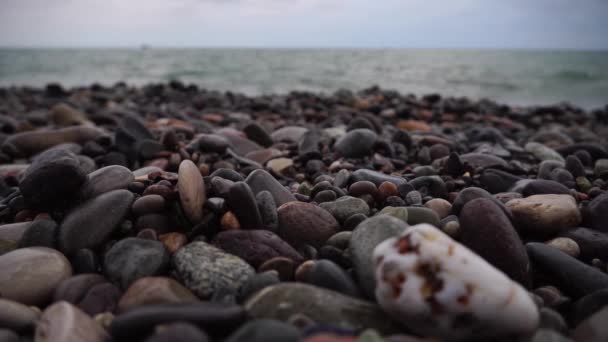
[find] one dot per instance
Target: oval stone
(30, 275)
(304, 223)
(133, 258)
(191, 191)
(154, 290)
(545, 214)
(64, 322)
(106, 179)
(91, 224)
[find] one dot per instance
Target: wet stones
(545, 214)
(53, 178)
(192, 193)
(91, 223)
(255, 246)
(356, 143)
(435, 286)
(133, 258)
(304, 223)
(487, 231)
(65, 322)
(30, 275)
(205, 269)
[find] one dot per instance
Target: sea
(515, 77)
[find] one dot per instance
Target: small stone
(92, 223)
(592, 244)
(304, 223)
(173, 241)
(545, 214)
(255, 246)
(279, 165)
(148, 204)
(229, 221)
(268, 210)
(52, 180)
(601, 168)
(440, 206)
(288, 133)
(356, 143)
(542, 152)
(154, 290)
(65, 322)
(99, 299)
(260, 180)
(487, 231)
(346, 206)
(243, 204)
(565, 245)
(73, 289)
(416, 215)
(16, 316)
(364, 239)
(40, 233)
(572, 276)
(191, 190)
(543, 186)
(435, 286)
(30, 275)
(596, 213)
(327, 274)
(113, 177)
(285, 267)
(375, 177)
(132, 258)
(205, 269)
(397, 212)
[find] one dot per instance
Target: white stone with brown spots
(437, 287)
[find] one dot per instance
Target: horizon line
(254, 47)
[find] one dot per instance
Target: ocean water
(518, 77)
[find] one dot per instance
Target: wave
(576, 75)
(484, 84)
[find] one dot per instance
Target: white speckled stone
(437, 287)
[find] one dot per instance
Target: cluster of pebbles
(171, 213)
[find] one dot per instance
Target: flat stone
(73, 289)
(148, 204)
(154, 290)
(323, 306)
(542, 152)
(437, 287)
(544, 186)
(289, 134)
(416, 215)
(329, 275)
(279, 165)
(304, 223)
(260, 180)
(487, 231)
(572, 276)
(113, 177)
(255, 246)
(366, 236)
(63, 321)
(545, 214)
(16, 316)
(192, 193)
(346, 206)
(205, 269)
(133, 258)
(30, 275)
(268, 210)
(91, 224)
(32, 142)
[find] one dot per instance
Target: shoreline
(146, 213)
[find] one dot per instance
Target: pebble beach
(168, 212)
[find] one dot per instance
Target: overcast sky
(306, 23)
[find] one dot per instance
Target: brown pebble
(442, 207)
(304, 270)
(173, 241)
(148, 204)
(387, 189)
(229, 221)
(284, 266)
